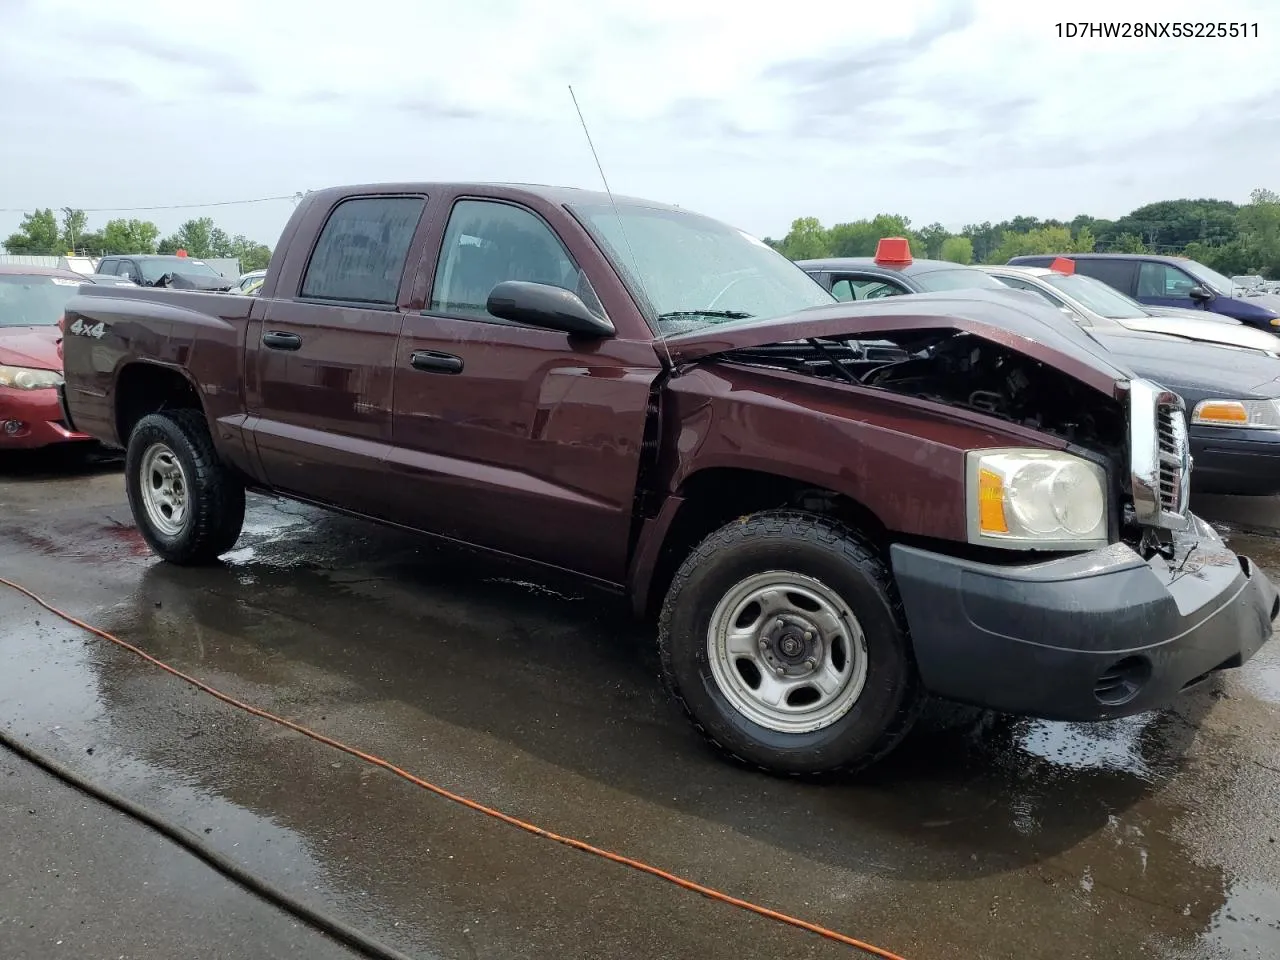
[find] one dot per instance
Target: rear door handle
(434, 362)
(281, 341)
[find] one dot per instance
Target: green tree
(807, 240)
(74, 223)
(1259, 233)
(932, 239)
(957, 250)
(252, 256)
(1043, 240)
(1125, 243)
(200, 238)
(859, 238)
(129, 236)
(38, 235)
(984, 237)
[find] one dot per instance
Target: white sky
(937, 109)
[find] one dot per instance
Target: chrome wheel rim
(165, 494)
(786, 652)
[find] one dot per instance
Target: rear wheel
(188, 505)
(783, 640)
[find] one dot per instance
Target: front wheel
(783, 640)
(188, 505)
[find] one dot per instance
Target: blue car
(1171, 282)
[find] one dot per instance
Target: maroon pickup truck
(832, 509)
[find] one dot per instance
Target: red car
(31, 303)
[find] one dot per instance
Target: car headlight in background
(28, 378)
(1035, 500)
(1255, 414)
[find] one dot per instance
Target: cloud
(112, 86)
(224, 73)
(937, 109)
(429, 109)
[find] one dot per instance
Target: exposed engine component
(962, 370)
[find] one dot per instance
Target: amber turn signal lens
(991, 518)
(1221, 411)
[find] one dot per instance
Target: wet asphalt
(983, 836)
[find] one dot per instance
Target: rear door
(319, 365)
(513, 437)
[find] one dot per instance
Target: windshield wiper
(721, 314)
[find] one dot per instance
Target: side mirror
(1199, 293)
(543, 305)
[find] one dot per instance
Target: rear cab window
(360, 254)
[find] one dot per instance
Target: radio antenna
(635, 263)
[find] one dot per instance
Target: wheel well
(144, 388)
(715, 497)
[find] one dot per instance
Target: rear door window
(127, 268)
(362, 249)
(1115, 273)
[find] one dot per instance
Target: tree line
(49, 234)
(1231, 238)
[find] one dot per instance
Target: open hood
(1019, 323)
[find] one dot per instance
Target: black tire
(215, 511)
(830, 552)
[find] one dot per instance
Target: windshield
(1213, 278)
(1097, 296)
(695, 271)
(960, 278)
(156, 267)
(34, 300)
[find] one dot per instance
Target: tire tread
(854, 549)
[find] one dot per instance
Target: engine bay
(961, 370)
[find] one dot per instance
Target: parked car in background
(665, 405)
(1232, 392)
(159, 270)
(31, 304)
(249, 282)
(1170, 282)
(108, 279)
(1091, 301)
(1250, 284)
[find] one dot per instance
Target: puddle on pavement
(319, 609)
(1248, 924)
(1117, 745)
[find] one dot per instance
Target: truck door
(509, 436)
(319, 365)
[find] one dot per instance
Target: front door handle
(281, 341)
(434, 362)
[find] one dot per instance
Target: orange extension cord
(464, 801)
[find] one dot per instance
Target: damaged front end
(1005, 363)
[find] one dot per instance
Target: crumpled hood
(1181, 365)
(35, 347)
(1012, 318)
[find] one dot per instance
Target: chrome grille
(1172, 448)
(1160, 456)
